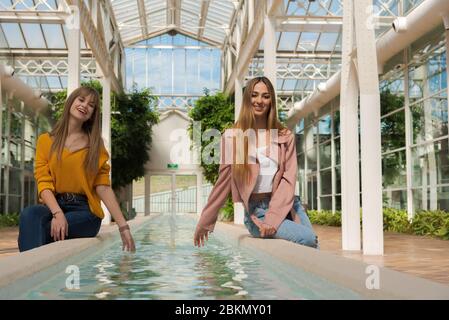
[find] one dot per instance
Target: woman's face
(82, 108)
(260, 100)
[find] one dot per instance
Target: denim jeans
(289, 230)
(35, 223)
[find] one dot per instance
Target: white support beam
(174, 13)
(131, 41)
(309, 24)
(204, 39)
(270, 44)
(203, 18)
(45, 17)
(251, 44)
(96, 43)
(239, 210)
(147, 199)
(177, 14)
(349, 126)
(106, 132)
(370, 134)
(250, 13)
(325, 56)
(73, 47)
(142, 17)
(41, 53)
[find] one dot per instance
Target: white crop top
(268, 169)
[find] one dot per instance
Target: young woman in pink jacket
(260, 173)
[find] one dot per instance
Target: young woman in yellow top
(72, 176)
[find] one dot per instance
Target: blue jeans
(289, 230)
(35, 223)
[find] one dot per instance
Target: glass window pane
(394, 170)
(33, 35)
(431, 164)
(337, 150)
(429, 119)
(325, 155)
(431, 199)
(326, 182)
(393, 131)
(395, 199)
(13, 35)
(390, 101)
(338, 179)
(325, 128)
(326, 203)
(338, 203)
(53, 36)
(180, 71)
(337, 123)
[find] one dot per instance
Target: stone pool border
(343, 271)
(30, 262)
(340, 270)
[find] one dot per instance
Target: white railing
(161, 201)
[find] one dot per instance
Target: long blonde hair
(247, 120)
(91, 127)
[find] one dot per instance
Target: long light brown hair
(91, 127)
(247, 120)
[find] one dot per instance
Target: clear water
(168, 266)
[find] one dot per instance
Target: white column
(238, 37)
(429, 147)
(73, 46)
(370, 136)
(239, 210)
(147, 198)
(106, 133)
(173, 193)
(229, 64)
(318, 167)
(269, 42)
(250, 14)
(349, 146)
(408, 141)
(1, 130)
(199, 192)
(7, 159)
(446, 26)
(22, 158)
(129, 197)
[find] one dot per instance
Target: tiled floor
(421, 256)
(8, 241)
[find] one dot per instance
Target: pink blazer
(283, 192)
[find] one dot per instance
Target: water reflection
(168, 266)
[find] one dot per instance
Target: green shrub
(431, 223)
(9, 220)
(325, 217)
(227, 212)
(425, 223)
(396, 220)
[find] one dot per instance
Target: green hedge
(428, 223)
(9, 220)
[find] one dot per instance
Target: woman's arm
(44, 180)
(108, 197)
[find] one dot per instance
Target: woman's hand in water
(127, 240)
(200, 236)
